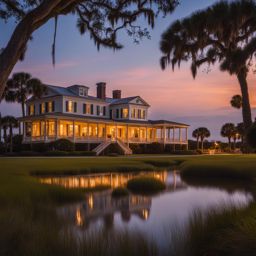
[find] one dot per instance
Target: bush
(251, 136)
(29, 153)
(63, 145)
(56, 153)
(145, 184)
(155, 148)
(81, 153)
(17, 143)
(136, 148)
(187, 152)
(120, 192)
(40, 147)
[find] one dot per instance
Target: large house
(73, 114)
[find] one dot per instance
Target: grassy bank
(29, 225)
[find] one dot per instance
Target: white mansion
(73, 114)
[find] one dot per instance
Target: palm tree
(20, 87)
(236, 101)
(228, 130)
(200, 134)
(9, 122)
(196, 134)
(223, 33)
(241, 130)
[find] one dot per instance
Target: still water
(151, 215)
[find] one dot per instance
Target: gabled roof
(67, 91)
(128, 100)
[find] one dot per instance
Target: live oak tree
(100, 19)
(223, 33)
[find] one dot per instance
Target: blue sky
(135, 70)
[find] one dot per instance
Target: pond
(155, 215)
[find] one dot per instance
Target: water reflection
(150, 214)
(112, 180)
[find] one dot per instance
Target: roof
(163, 122)
(67, 91)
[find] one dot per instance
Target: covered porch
(49, 129)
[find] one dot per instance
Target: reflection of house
(102, 206)
(71, 113)
(112, 180)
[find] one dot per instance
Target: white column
(187, 138)
(45, 130)
(116, 132)
(73, 130)
(127, 134)
(164, 135)
(105, 132)
(56, 129)
(180, 135)
(146, 134)
(97, 131)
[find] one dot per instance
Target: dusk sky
(135, 70)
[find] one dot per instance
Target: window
(31, 110)
(104, 111)
(139, 113)
(51, 128)
(86, 109)
(51, 106)
(82, 91)
(42, 108)
(125, 112)
(111, 113)
(143, 114)
(133, 113)
(92, 109)
(36, 129)
(71, 106)
(117, 113)
(98, 110)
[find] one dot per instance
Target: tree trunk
(202, 144)
(246, 107)
(22, 33)
(229, 143)
(10, 134)
(23, 109)
(197, 143)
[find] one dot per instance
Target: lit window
(77, 130)
(70, 106)
(50, 106)
(125, 113)
(31, 109)
(43, 108)
(36, 129)
(51, 128)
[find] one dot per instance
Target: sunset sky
(135, 70)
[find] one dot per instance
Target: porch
(48, 130)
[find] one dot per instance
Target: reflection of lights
(90, 202)
(145, 214)
(79, 220)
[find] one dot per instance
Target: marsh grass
(145, 185)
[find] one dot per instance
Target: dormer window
(82, 91)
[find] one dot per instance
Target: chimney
(117, 94)
(101, 90)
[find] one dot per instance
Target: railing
(102, 139)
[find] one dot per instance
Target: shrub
(81, 153)
(56, 153)
(145, 184)
(29, 153)
(17, 142)
(120, 192)
(251, 136)
(136, 148)
(63, 145)
(155, 148)
(40, 147)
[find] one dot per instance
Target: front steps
(100, 148)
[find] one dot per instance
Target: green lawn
(27, 207)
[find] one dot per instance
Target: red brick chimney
(117, 94)
(101, 90)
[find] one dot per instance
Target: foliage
(200, 134)
(236, 101)
(63, 145)
(223, 33)
(120, 192)
(229, 131)
(251, 136)
(145, 184)
(20, 87)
